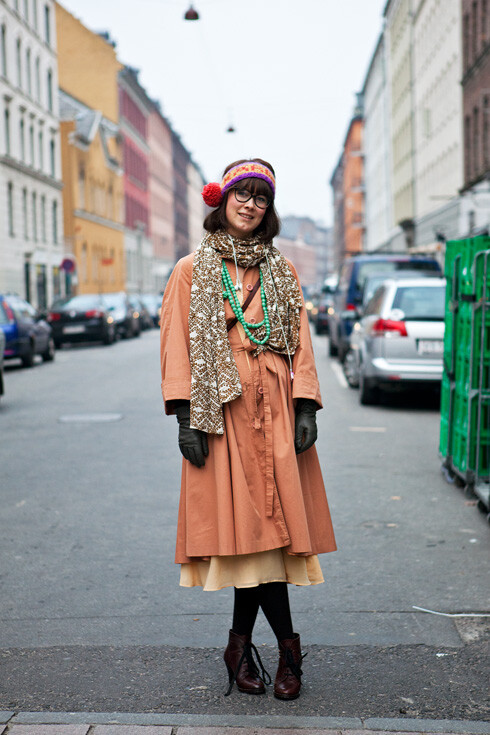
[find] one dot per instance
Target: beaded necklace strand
(229, 292)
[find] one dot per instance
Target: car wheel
(332, 349)
(350, 369)
(28, 357)
(368, 391)
(49, 352)
(109, 337)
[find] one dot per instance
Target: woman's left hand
(305, 430)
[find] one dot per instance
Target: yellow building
(93, 206)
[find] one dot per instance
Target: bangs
(256, 186)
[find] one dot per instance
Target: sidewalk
(120, 723)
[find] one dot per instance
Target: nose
(250, 203)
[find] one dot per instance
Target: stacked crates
(465, 393)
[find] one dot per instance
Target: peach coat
(254, 492)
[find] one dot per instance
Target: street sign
(68, 264)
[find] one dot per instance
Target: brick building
(476, 112)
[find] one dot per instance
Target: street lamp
(191, 14)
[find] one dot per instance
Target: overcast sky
(283, 72)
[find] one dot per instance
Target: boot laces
(293, 666)
(247, 656)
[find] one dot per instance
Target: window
(47, 25)
(24, 214)
(18, 52)
(52, 159)
(31, 145)
(81, 186)
(486, 132)
(34, 14)
(474, 34)
(38, 80)
(483, 34)
(34, 216)
(29, 72)
(55, 220)
(43, 218)
(476, 141)
(467, 147)
(3, 50)
(26, 10)
(41, 150)
(10, 208)
(50, 90)
(6, 119)
(22, 140)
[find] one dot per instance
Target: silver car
(399, 340)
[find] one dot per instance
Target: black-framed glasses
(243, 195)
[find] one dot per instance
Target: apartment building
(31, 230)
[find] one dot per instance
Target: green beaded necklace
(230, 294)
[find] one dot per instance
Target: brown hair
(270, 225)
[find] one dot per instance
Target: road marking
(339, 374)
(374, 429)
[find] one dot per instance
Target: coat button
(252, 320)
(249, 287)
(260, 390)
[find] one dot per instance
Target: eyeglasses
(243, 195)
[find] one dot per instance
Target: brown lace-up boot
(288, 678)
(241, 666)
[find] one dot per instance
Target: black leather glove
(305, 431)
(192, 443)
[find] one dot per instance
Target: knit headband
(213, 193)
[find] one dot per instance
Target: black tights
(273, 598)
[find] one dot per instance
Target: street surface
(91, 614)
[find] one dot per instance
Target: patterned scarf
(214, 374)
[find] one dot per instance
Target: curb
(381, 724)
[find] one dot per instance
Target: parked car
(348, 295)
(400, 337)
(325, 305)
(84, 318)
(123, 313)
(146, 319)
(350, 363)
(27, 333)
(2, 347)
(153, 303)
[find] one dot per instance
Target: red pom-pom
(212, 195)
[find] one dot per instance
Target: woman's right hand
(192, 443)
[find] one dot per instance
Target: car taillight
(53, 316)
(350, 307)
(8, 311)
(389, 327)
(94, 314)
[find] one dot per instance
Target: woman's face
(243, 218)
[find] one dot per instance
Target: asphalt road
(91, 614)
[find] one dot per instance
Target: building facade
(180, 161)
(377, 152)
(437, 98)
(31, 228)
(338, 234)
(93, 205)
(134, 112)
(161, 183)
(197, 208)
(475, 208)
(398, 35)
(353, 182)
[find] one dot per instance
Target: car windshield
(388, 266)
(114, 299)
(421, 303)
(81, 302)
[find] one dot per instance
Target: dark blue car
(27, 334)
(349, 293)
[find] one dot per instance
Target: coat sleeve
(174, 335)
(305, 383)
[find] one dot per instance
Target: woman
(238, 371)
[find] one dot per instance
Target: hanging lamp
(191, 14)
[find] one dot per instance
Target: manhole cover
(90, 418)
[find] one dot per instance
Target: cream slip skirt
(250, 570)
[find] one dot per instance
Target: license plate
(430, 346)
(74, 329)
